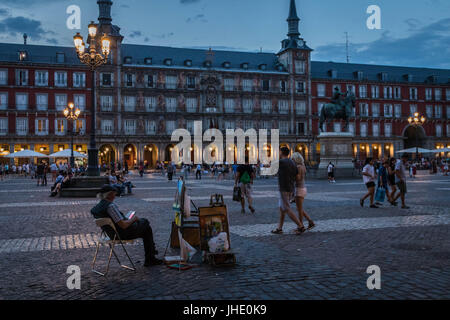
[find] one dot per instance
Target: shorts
(330, 175)
(370, 184)
(284, 201)
(402, 187)
(40, 176)
(300, 192)
(246, 190)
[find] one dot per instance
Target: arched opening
(302, 149)
(414, 137)
(376, 152)
(150, 156)
(107, 154)
(129, 155)
(168, 152)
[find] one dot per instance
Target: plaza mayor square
(223, 155)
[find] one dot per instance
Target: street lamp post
(94, 59)
(417, 121)
(73, 115)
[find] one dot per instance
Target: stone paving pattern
(42, 236)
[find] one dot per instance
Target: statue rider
(337, 97)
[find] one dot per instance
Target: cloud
(163, 35)
(28, 3)
(4, 12)
(427, 46)
(135, 34)
(198, 17)
(19, 25)
(52, 41)
(189, 1)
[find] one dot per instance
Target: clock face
(300, 43)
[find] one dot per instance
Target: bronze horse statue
(340, 111)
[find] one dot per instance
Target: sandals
(277, 231)
(252, 209)
(299, 231)
(311, 225)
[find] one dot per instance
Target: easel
(180, 216)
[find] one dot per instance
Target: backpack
(245, 178)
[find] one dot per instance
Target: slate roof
(319, 70)
(199, 56)
(348, 71)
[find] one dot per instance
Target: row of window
(363, 129)
(390, 110)
(230, 105)
(41, 126)
(41, 78)
(389, 92)
(130, 126)
(23, 102)
(229, 84)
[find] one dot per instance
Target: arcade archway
(150, 156)
(129, 155)
(107, 154)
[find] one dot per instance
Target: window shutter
(134, 80)
(65, 78)
(101, 79)
(46, 78)
(35, 126)
(112, 79)
(36, 77)
(46, 126)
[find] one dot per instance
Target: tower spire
(104, 7)
(293, 21)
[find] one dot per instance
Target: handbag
(380, 195)
(237, 194)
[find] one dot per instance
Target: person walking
(244, 179)
(300, 189)
(400, 179)
(369, 178)
(40, 174)
(2, 170)
(287, 173)
(383, 178)
(198, 172)
(330, 170)
(141, 170)
(169, 172)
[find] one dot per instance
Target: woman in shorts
(300, 189)
(391, 177)
(369, 178)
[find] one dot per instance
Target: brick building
(145, 92)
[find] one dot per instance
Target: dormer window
(207, 64)
(244, 65)
(22, 55)
(359, 75)
(127, 60)
(333, 74)
(263, 66)
(168, 62)
(60, 58)
(409, 77)
(280, 67)
(226, 65)
(148, 60)
(188, 63)
(383, 76)
(432, 79)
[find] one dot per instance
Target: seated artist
(127, 228)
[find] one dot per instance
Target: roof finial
(293, 21)
(25, 39)
(104, 7)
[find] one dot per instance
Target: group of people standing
(390, 177)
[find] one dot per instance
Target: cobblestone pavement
(41, 236)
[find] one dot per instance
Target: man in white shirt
(330, 170)
(369, 177)
(400, 179)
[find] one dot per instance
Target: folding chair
(104, 239)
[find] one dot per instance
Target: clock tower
(295, 56)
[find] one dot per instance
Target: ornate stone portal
(336, 147)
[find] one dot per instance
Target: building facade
(144, 93)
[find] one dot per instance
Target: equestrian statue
(339, 109)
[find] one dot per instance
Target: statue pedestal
(336, 147)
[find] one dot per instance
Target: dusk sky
(414, 33)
